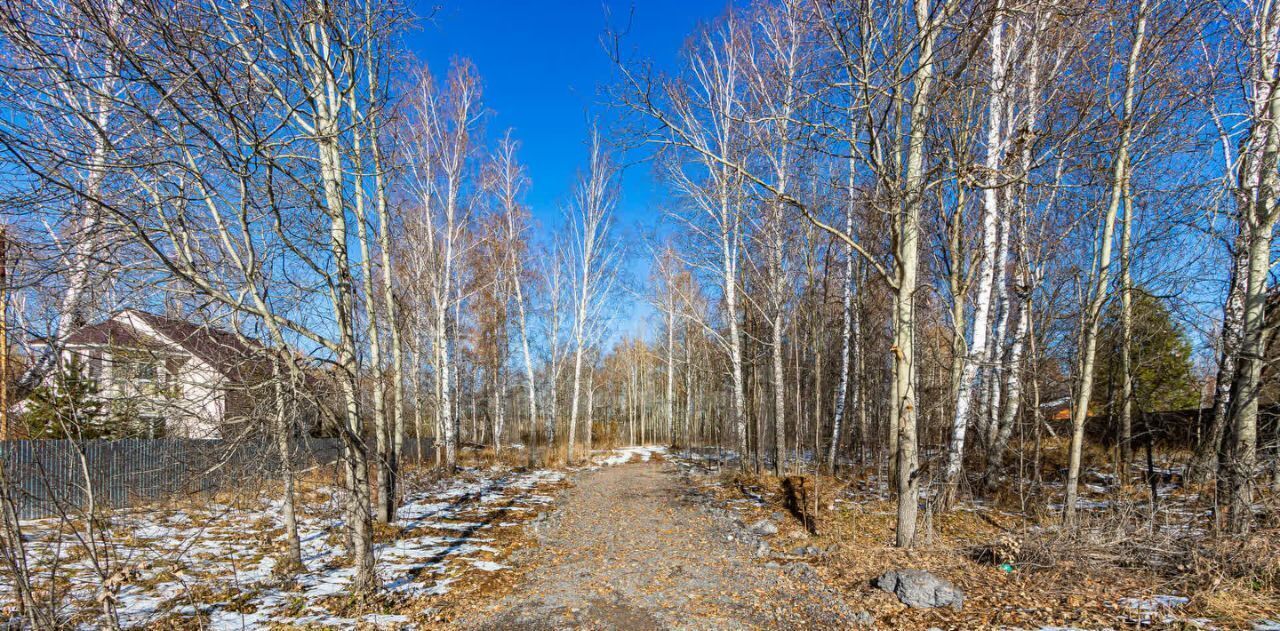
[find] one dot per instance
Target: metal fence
(47, 478)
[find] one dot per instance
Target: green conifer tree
(69, 406)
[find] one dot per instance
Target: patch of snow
(623, 455)
(1154, 603)
(1083, 504)
(1153, 609)
(219, 548)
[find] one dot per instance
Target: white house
(176, 378)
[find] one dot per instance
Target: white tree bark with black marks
(991, 218)
(846, 320)
(55, 51)
(1257, 213)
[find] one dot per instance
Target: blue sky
(543, 66)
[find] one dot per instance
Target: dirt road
(630, 548)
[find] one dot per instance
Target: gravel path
(630, 548)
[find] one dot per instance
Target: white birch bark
(511, 182)
(1126, 339)
(977, 349)
(1257, 218)
(384, 510)
(846, 315)
(774, 77)
(373, 74)
(671, 372)
(593, 207)
(555, 294)
(90, 91)
(907, 252)
(1013, 388)
(993, 370)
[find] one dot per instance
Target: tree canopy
(1161, 354)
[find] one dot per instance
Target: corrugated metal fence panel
(48, 477)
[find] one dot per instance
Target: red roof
(111, 333)
(232, 355)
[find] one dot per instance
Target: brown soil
(630, 547)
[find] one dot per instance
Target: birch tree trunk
(373, 118)
(594, 202)
(1126, 340)
(907, 254)
(671, 372)
(779, 398)
(591, 405)
(79, 72)
(994, 368)
(578, 334)
(729, 241)
(978, 351)
(781, 51)
(1209, 450)
(553, 371)
(1242, 467)
(291, 558)
(1013, 390)
(1260, 185)
(511, 183)
(385, 510)
(688, 386)
(846, 317)
(354, 449)
(1092, 316)
(1255, 193)
(500, 419)
(452, 124)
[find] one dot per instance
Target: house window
(95, 364)
(138, 371)
(151, 426)
(145, 371)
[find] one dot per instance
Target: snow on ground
(217, 561)
(1154, 609)
(624, 455)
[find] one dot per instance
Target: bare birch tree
(1100, 286)
(510, 182)
(593, 256)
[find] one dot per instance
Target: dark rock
(864, 619)
(920, 589)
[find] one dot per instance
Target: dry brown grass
(315, 488)
(1057, 577)
(315, 485)
(484, 457)
(1233, 579)
(474, 590)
